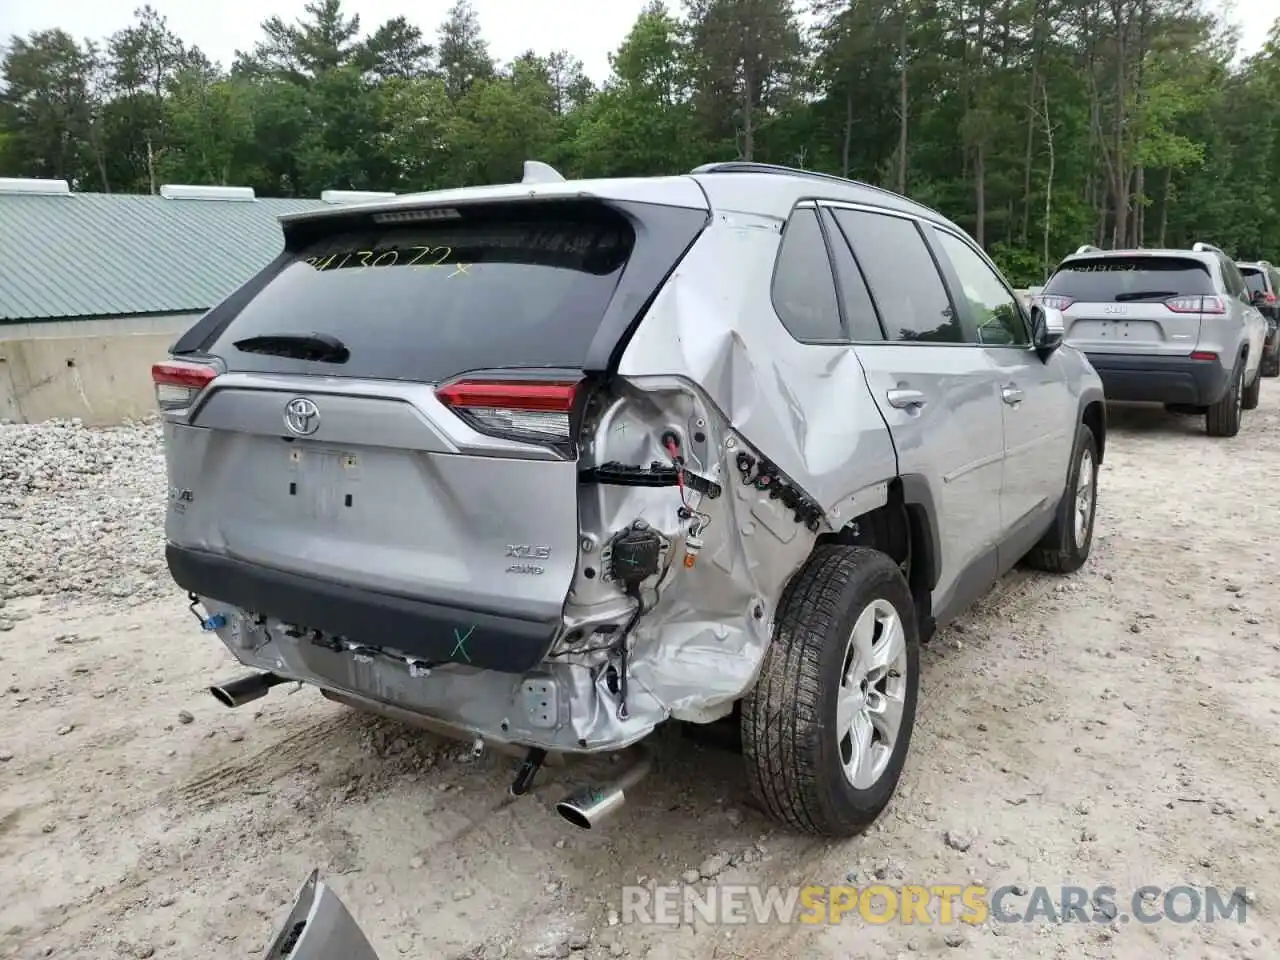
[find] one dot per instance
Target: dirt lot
(1118, 727)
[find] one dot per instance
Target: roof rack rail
(1087, 248)
(750, 166)
(1199, 247)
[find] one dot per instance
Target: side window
(903, 278)
(804, 290)
(1235, 282)
(995, 310)
(860, 315)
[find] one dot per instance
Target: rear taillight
(178, 382)
(1196, 305)
(1053, 301)
(1204, 355)
(534, 410)
(1268, 298)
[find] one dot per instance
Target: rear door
(394, 412)
(1133, 303)
(938, 392)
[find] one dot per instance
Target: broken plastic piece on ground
(319, 927)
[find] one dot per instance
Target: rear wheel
(826, 730)
(1223, 418)
(1252, 393)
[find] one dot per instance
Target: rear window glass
(1129, 278)
(426, 301)
(1254, 280)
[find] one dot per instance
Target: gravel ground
(1116, 727)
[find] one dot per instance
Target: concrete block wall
(96, 370)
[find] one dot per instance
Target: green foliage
(1036, 124)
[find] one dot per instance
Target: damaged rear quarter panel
(805, 407)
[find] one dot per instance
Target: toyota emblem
(301, 416)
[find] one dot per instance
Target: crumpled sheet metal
(804, 407)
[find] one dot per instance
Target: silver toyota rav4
(1177, 327)
(548, 464)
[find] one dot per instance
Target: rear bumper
(431, 632)
(1157, 379)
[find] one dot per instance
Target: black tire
(1252, 393)
(1061, 550)
(1223, 418)
(793, 754)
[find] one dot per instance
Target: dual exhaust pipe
(586, 808)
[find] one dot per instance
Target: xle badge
(523, 554)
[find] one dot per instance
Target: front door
(1039, 414)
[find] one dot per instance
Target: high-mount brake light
(536, 411)
(179, 382)
(1196, 304)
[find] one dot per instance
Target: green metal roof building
(94, 287)
(79, 256)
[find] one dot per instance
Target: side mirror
(1047, 328)
(1258, 298)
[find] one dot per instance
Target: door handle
(1011, 395)
(906, 399)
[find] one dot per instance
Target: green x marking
(461, 645)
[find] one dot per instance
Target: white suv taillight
(1196, 304)
(1053, 301)
(528, 410)
(179, 382)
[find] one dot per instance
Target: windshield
(1128, 279)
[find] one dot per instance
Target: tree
(464, 55)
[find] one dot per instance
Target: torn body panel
(699, 647)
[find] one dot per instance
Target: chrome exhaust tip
(590, 806)
(238, 692)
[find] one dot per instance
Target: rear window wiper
(1145, 295)
(297, 346)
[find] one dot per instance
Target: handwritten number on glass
(421, 257)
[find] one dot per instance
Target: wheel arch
(1094, 416)
(906, 529)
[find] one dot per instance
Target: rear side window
(903, 278)
(426, 301)
(804, 290)
(1234, 281)
(1123, 279)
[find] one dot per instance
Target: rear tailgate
(388, 444)
(1133, 303)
